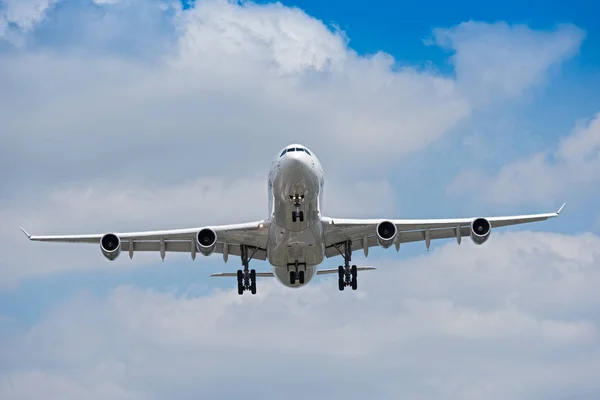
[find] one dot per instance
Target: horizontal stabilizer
(270, 274)
(335, 271)
(234, 274)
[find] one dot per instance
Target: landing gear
(297, 215)
(246, 278)
(296, 274)
(347, 275)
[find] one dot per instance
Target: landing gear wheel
(301, 216)
(240, 282)
(341, 284)
(354, 273)
(293, 216)
(292, 277)
(253, 281)
(301, 277)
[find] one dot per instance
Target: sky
(126, 115)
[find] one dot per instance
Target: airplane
(296, 237)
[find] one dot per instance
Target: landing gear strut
(347, 274)
(246, 278)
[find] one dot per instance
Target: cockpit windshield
(294, 149)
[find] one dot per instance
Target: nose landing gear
(298, 214)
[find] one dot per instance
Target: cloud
(140, 115)
(169, 92)
(567, 170)
(464, 322)
(26, 14)
(497, 61)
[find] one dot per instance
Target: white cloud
(449, 324)
(499, 60)
(228, 78)
(26, 14)
(92, 128)
(568, 170)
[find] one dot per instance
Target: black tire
(293, 216)
(240, 276)
(253, 281)
(341, 273)
(301, 277)
(341, 285)
(354, 271)
(301, 216)
(354, 283)
(292, 277)
(240, 288)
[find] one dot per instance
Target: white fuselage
(295, 184)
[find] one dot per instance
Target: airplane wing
(229, 240)
(362, 232)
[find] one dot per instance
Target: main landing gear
(295, 274)
(246, 278)
(347, 274)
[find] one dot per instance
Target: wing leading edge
(230, 238)
(362, 232)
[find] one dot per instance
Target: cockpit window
(294, 149)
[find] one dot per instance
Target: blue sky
(133, 115)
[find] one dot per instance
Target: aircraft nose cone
(296, 162)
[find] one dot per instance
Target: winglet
(560, 209)
(25, 232)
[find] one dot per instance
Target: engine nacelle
(480, 230)
(206, 241)
(386, 234)
(110, 244)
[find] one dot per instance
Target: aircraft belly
(286, 247)
(282, 274)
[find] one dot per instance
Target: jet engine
(206, 241)
(110, 244)
(386, 234)
(480, 230)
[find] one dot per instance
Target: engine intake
(480, 230)
(206, 241)
(110, 244)
(386, 234)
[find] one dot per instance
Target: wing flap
(404, 237)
